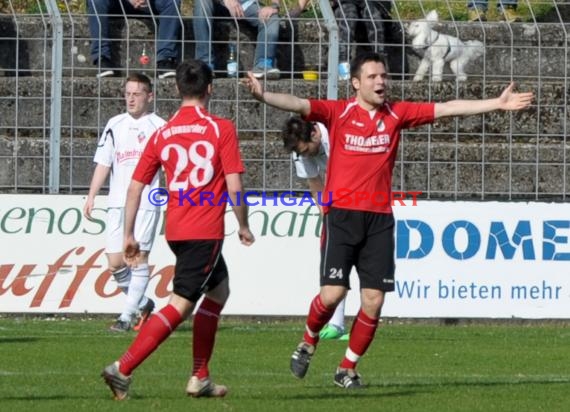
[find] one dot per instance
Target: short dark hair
(193, 78)
(296, 130)
(140, 78)
(359, 60)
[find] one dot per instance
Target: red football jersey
(197, 151)
(363, 148)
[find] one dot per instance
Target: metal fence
(54, 108)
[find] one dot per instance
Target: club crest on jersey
(141, 137)
(380, 126)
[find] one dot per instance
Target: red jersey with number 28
(363, 147)
(197, 151)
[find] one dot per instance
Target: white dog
(439, 48)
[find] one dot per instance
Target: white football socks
(338, 316)
(135, 295)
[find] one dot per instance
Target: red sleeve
(229, 150)
(149, 163)
(415, 114)
(322, 111)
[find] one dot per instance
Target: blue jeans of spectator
(204, 10)
(483, 4)
(167, 14)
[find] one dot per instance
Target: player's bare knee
(220, 293)
(372, 300)
(331, 296)
(181, 304)
(116, 268)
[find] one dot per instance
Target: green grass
(406, 9)
(452, 9)
(55, 365)
(457, 9)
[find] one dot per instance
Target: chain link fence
(54, 107)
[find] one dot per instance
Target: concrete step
(523, 152)
(519, 50)
(88, 103)
(300, 44)
(466, 165)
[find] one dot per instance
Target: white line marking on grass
(429, 380)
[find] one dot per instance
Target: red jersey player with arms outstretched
(358, 227)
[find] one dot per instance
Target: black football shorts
(361, 239)
(199, 267)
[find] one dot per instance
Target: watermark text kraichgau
(343, 197)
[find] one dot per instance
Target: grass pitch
(55, 365)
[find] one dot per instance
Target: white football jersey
(120, 148)
(313, 166)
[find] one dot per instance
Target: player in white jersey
(309, 145)
(118, 152)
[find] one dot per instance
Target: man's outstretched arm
(508, 100)
(287, 102)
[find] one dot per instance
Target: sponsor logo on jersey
(191, 128)
(373, 144)
(125, 155)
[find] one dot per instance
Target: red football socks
(204, 336)
(318, 317)
(361, 336)
(158, 327)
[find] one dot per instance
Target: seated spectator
(265, 19)
(382, 32)
(507, 9)
(348, 12)
(168, 16)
